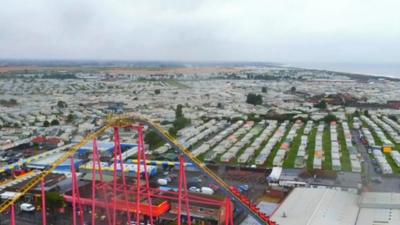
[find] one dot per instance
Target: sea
(374, 69)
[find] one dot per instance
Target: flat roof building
(307, 206)
(379, 208)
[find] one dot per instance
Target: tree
(46, 123)
(357, 113)
(264, 89)
(54, 201)
(293, 89)
(70, 118)
(157, 91)
(366, 113)
(321, 105)
(178, 111)
(330, 118)
(153, 139)
(173, 131)
(253, 117)
(254, 99)
(62, 104)
(13, 101)
(55, 122)
(181, 122)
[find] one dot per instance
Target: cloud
(262, 30)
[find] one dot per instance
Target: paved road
(389, 183)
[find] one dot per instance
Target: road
(388, 184)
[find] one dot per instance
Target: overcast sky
(250, 30)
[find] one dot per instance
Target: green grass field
(326, 145)
(345, 158)
(311, 148)
(291, 156)
(271, 156)
(395, 168)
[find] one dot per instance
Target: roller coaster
(140, 192)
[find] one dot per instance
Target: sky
(360, 31)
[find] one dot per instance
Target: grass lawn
(263, 144)
(294, 147)
(350, 119)
(311, 148)
(176, 83)
(326, 145)
(396, 170)
(271, 156)
(258, 131)
(345, 158)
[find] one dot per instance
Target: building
(317, 206)
(379, 208)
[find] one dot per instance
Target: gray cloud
(264, 30)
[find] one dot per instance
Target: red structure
(183, 193)
(128, 201)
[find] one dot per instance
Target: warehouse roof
(377, 216)
(380, 200)
(317, 206)
(379, 208)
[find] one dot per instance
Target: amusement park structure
(135, 199)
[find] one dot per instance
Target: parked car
(377, 179)
(194, 189)
(27, 207)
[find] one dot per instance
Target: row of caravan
(368, 136)
(232, 152)
(300, 161)
(335, 147)
(274, 140)
(228, 142)
(386, 127)
(382, 162)
(189, 132)
(318, 151)
(205, 147)
(265, 134)
(392, 123)
(354, 160)
(205, 133)
(285, 146)
(377, 130)
(193, 135)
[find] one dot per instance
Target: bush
(153, 139)
(70, 118)
(54, 201)
(264, 89)
(321, 105)
(254, 99)
(55, 123)
(62, 104)
(46, 123)
(330, 118)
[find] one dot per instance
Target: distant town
(282, 136)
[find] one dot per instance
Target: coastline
(353, 74)
(384, 70)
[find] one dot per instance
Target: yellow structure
(387, 149)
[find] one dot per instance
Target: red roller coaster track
(135, 198)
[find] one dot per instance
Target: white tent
(275, 174)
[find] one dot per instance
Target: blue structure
(104, 148)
